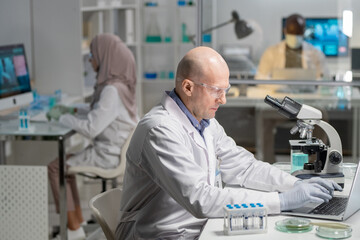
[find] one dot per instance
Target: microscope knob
(309, 166)
(335, 157)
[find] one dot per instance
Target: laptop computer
(339, 208)
(295, 74)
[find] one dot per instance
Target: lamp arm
(218, 26)
(192, 37)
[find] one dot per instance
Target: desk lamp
(242, 28)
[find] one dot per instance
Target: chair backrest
(92, 171)
(124, 148)
(106, 207)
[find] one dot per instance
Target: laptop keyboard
(334, 207)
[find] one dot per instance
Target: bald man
(179, 156)
(293, 52)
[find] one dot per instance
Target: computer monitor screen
(326, 35)
(15, 89)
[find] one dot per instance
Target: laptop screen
(354, 196)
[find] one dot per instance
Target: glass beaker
(150, 72)
(153, 30)
(298, 159)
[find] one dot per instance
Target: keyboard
(334, 207)
(8, 117)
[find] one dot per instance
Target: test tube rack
(245, 218)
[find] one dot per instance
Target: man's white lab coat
(274, 58)
(169, 180)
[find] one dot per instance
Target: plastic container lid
(294, 225)
(333, 233)
(349, 169)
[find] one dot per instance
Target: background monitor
(15, 89)
(326, 35)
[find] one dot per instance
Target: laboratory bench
(53, 139)
(249, 120)
(214, 229)
(41, 131)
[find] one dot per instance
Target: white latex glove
(59, 110)
(303, 193)
(330, 185)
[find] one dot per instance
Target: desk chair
(106, 207)
(105, 174)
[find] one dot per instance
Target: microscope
(328, 158)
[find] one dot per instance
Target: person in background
(293, 52)
(107, 122)
(179, 156)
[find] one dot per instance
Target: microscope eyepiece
(272, 102)
(288, 107)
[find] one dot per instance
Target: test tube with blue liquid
(246, 217)
(254, 218)
(261, 215)
(24, 120)
(239, 218)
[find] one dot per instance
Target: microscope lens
(302, 133)
(294, 130)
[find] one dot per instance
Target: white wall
(266, 17)
(356, 32)
(15, 25)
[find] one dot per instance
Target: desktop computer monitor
(326, 35)
(15, 89)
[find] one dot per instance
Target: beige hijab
(116, 67)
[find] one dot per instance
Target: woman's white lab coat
(274, 58)
(169, 180)
(107, 125)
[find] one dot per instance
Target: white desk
(43, 131)
(214, 230)
(214, 227)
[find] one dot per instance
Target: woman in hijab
(107, 122)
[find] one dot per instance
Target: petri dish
(294, 225)
(333, 233)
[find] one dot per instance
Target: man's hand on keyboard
(304, 192)
(330, 185)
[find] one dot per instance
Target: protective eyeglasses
(215, 92)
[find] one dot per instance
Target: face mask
(293, 41)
